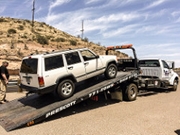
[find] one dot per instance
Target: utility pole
(33, 9)
(82, 29)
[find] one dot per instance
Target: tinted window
(29, 66)
(53, 62)
(72, 58)
(149, 63)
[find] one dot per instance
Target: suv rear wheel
(65, 89)
(111, 71)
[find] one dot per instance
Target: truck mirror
(171, 65)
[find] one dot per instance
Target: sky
(152, 26)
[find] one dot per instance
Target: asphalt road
(153, 113)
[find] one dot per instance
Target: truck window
(149, 63)
(87, 55)
(29, 66)
(72, 58)
(165, 65)
(53, 62)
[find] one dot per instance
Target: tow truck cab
(157, 73)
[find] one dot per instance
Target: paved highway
(153, 113)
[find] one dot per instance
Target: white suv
(59, 71)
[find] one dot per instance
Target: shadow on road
(150, 92)
(177, 131)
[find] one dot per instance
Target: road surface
(153, 113)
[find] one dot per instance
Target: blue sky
(152, 26)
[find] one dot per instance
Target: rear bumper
(38, 90)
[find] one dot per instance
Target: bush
(60, 40)
(11, 31)
(85, 39)
(2, 20)
(21, 27)
(42, 40)
(72, 42)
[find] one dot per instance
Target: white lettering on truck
(60, 109)
(101, 90)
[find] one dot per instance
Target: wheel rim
(112, 71)
(66, 88)
(175, 84)
(132, 92)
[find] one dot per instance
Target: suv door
(29, 72)
(93, 64)
(75, 66)
(53, 67)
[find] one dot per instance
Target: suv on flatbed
(59, 71)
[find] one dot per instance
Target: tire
(131, 92)
(175, 85)
(111, 71)
(65, 89)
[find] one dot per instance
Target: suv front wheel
(111, 71)
(65, 89)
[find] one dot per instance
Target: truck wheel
(175, 85)
(111, 71)
(65, 89)
(131, 92)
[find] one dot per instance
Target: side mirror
(97, 56)
(171, 65)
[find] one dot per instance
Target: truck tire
(111, 71)
(175, 85)
(65, 89)
(131, 92)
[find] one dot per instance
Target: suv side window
(87, 55)
(72, 58)
(53, 62)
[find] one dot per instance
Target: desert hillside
(18, 39)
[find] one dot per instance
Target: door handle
(70, 68)
(86, 63)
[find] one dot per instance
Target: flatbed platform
(30, 110)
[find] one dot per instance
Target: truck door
(166, 73)
(92, 62)
(75, 65)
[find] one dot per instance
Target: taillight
(41, 81)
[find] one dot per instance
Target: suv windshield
(29, 66)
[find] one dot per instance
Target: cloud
(155, 4)
(57, 3)
(39, 9)
(2, 9)
(92, 1)
(120, 31)
(118, 17)
(175, 13)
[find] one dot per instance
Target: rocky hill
(19, 38)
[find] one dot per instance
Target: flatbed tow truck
(32, 109)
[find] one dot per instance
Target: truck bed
(29, 110)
